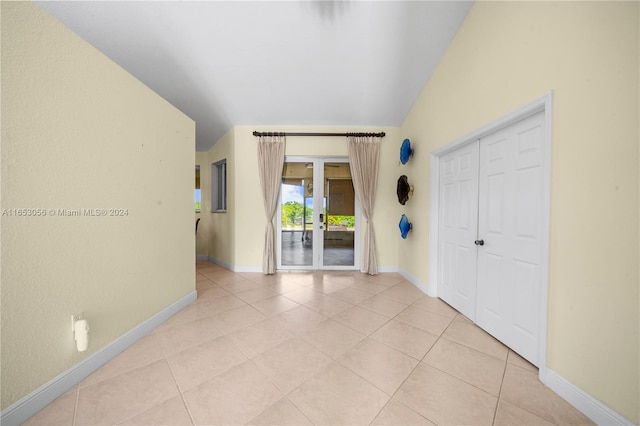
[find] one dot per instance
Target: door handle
(321, 217)
(479, 242)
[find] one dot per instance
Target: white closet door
(510, 225)
(458, 213)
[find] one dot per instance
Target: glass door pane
(339, 215)
(297, 215)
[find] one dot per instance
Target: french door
(491, 242)
(317, 218)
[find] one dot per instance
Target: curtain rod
(379, 135)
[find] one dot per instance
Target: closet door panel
(510, 223)
(458, 212)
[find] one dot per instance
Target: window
(197, 194)
(219, 186)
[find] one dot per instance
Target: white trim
(233, 268)
(416, 282)
(546, 233)
(543, 104)
(247, 269)
(28, 406)
(202, 257)
(221, 263)
(595, 410)
(434, 221)
(385, 269)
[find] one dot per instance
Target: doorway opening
(317, 215)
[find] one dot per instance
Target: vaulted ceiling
(226, 63)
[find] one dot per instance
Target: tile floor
(312, 348)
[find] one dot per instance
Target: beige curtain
(270, 162)
(364, 152)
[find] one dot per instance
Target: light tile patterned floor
(312, 348)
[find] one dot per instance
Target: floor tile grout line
(548, 419)
(363, 378)
(298, 408)
(470, 347)
(156, 405)
(332, 361)
(375, 386)
(181, 392)
(127, 370)
(186, 407)
(398, 388)
(220, 372)
(294, 389)
(396, 349)
(322, 370)
(284, 395)
(409, 325)
(504, 373)
(432, 312)
(461, 380)
(366, 334)
(75, 406)
(441, 336)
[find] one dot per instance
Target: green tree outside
(292, 213)
(350, 221)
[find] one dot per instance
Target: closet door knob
(479, 242)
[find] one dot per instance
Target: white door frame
(543, 104)
(318, 242)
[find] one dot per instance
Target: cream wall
(79, 132)
(219, 227)
(505, 55)
(249, 207)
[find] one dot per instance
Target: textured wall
(505, 55)
(78, 133)
(219, 228)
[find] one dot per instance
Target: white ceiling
(226, 63)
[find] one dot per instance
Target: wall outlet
(76, 317)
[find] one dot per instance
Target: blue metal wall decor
(406, 151)
(405, 226)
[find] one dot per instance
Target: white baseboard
(234, 268)
(422, 286)
(220, 262)
(258, 268)
(247, 269)
(202, 257)
(387, 269)
(250, 268)
(28, 406)
(598, 412)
